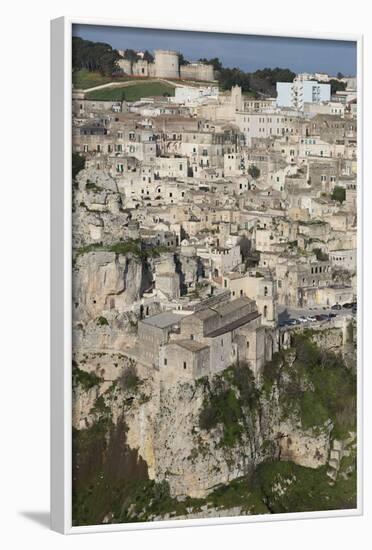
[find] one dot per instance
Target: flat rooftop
(190, 345)
(164, 319)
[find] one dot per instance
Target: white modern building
(295, 94)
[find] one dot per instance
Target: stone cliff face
(163, 426)
(98, 215)
(106, 281)
(105, 286)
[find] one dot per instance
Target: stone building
(154, 332)
(219, 326)
(258, 287)
(167, 280)
(197, 71)
(166, 65)
(188, 345)
(300, 279)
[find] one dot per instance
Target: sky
(247, 52)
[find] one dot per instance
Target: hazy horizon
(247, 52)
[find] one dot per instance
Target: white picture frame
(61, 287)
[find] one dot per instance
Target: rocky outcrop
(105, 281)
(106, 288)
(340, 449)
(163, 427)
(306, 448)
(98, 213)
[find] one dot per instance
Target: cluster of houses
(252, 201)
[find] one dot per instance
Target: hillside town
(252, 203)
(214, 243)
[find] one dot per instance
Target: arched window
(265, 312)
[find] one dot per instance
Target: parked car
(336, 306)
(332, 315)
(348, 305)
(302, 319)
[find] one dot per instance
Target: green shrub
(288, 487)
(91, 186)
(129, 380)
(87, 380)
(78, 164)
(102, 321)
(338, 194)
(312, 411)
(223, 408)
(100, 408)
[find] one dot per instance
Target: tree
(245, 247)
(340, 76)
(182, 60)
(337, 86)
(234, 77)
(122, 99)
(131, 55)
(254, 172)
(339, 194)
(94, 56)
(217, 65)
(78, 164)
(147, 56)
(264, 80)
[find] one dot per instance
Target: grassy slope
(132, 92)
(84, 79)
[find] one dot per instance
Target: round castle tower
(166, 64)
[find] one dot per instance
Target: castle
(166, 65)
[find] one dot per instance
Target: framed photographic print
(206, 281)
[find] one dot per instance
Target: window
(265, 291)
(265, 311)
(191, 337)
(184, 364)
(165, 361)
